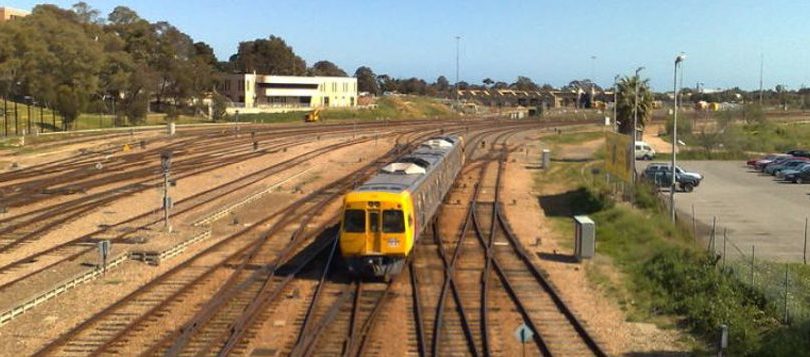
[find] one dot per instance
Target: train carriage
(384, 217)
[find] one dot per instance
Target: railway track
(238, 282)
(557, 329)
(488, 262)
(20, 229)
(205, 326)
(183, 206)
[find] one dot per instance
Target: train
(384, 217)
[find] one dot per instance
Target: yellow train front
(384, 217)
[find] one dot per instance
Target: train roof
(409, 170)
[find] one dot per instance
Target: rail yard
(251, 264)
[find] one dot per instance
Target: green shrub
(689, 284)
(787, 341)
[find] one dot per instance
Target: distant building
(255, 93)
(508, 97)
(7, 13)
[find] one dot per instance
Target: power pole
(458, 39)
(166, 163)
(761, 69)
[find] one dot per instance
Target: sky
(549, 41)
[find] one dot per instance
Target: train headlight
(393, 242)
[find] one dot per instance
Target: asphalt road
(755, 208)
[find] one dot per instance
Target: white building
(257, 93)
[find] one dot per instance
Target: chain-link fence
(785, 285)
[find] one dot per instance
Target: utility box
(584, 237)
(546, 159)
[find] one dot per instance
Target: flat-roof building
(7, 13)
(266, 93)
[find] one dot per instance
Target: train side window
(374, 221)
(354, 221)
(393, 221)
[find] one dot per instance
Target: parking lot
(757, 209)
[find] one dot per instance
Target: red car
(764, 161)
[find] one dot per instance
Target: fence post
(787, 269)
(724, 249)
(804, 253)
(714, 231)
(752, 265)
(694, 224)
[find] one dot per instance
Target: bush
(787, 341)
(689, 284)
(220, 103)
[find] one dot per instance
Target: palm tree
(626, 95)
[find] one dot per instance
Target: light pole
(678, 61)
(615, 102)
(458, 39)
(761, 69)
(635, 108)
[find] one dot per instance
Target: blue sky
(549, 41)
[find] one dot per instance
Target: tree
(269, 56)
(220, 103)
(500, 85)
(122, 15)
(63, 63)
(524, 83)
(387, 84)
(585, 85)
(329, 69)
(85, 13)
(442, 84)
(413, 85)
(626, 100)
(366, 80)
(488, 82)
(205, 53)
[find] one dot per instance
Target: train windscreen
(393, 221)
(354, 221)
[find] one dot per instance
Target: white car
(644, 151)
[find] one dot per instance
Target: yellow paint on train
(389, 224)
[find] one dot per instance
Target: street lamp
(615, 103)
(678, 61)
(635, 106)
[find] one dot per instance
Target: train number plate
(393, 242)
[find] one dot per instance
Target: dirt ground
(602, 316)
(658, 144)
(65, 312)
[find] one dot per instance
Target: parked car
(774, 168)
(644, 151)
(767, 159)
(763, 164)
(784, 173)
(799, 153)
(799, 177)
(660, 166)
(661, 176)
